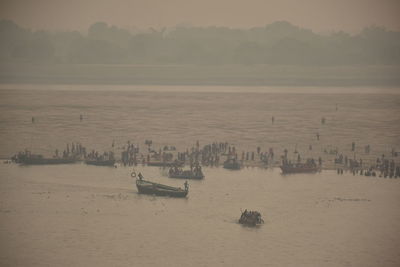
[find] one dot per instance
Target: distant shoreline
(200, 75)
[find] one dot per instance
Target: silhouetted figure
(81, 117)
(273, 119)
(33, 119)
(318, 136)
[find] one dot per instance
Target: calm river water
(78, 215)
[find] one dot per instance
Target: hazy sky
(318, 15)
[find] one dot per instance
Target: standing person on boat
(140, 176)
(186, 185)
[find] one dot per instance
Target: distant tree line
(278, 43)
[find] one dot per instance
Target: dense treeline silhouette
(278, 43)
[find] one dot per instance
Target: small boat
(251, 218)
(150, 188)
(37, 159)
(97, 162)
(299, 168)
(196, 173)
(232, 164)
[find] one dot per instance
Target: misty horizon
(320, 16)
(279, 43)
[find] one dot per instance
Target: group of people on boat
(251, 218)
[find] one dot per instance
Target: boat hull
(46, 161)
(184, 176)
(100, 163)
(232, 166)
(149, 188)
(289, 170)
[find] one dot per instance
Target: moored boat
(308, 167)
(232, 164)
(98, 162)
(37, 159)
(196, 173)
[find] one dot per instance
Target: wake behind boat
(150, 188)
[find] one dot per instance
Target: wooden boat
(108, 162)
(251, 218)
(232, 164)
(186, 174)
(299, 168)
(36, 159)
(150, 188)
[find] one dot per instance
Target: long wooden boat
(109, 162)
(40, 160)
(298, 168)
(187, 174)
(232, 165)
(150, 188)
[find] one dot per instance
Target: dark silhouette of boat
(232, 164)
(251, 218)
(186, 174)
(309, 167)
(98, 162)
(150, 188)
(28, 158)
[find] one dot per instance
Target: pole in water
(81, 117)
(33, 119)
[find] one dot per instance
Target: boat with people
(97, 159)
(309, 167)
(151, 188)
(27, 158)
(193, 173)
(251, 218)
(232, 164)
